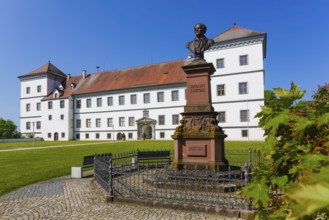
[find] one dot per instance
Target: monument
(198, 140)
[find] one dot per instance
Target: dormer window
(72, 85)
(60, 87)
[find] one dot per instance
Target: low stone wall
(20, 140)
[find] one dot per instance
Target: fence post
(111, 190)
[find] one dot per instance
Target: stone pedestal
(198, 140)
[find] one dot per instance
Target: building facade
(145, 102)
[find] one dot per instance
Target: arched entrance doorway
(56, 136)
(147, 130)
(146, 126)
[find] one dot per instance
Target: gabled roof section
(236, 32)
(147, 75)
(48, 68)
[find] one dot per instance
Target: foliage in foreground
(296, 157)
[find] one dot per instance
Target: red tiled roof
(236, 32)
(48, 68)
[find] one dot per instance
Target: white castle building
(146, 101)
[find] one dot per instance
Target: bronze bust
(200, 42)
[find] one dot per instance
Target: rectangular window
(49, 135)
(77, 136)
(50, 105)
(244, 133)
(78, 123)
(28, 90)
(98, 122)
(220, 63)
(131, 121)
(133, 99)
(109, 136)
(244, 115)
(39, 89)
(87, 135)
(130, 135)
(109, 122)
(221, 117)
(88, 123)
(38, 106)
(78, 103)
(28, 107)
(99, 102)
(62, 104)
(160, 96)
(121, 122)
(174, 95)
(221, 89)
(62, 117)
(121, 100)
(243, 88)
(28, 125)
(88, 103)
(161, 120)
(50, 117)
(175, 119)
(146, 98)
(110, 101)
(243, 60)
(63, 135)
(97, 135)
(38, 124)
(162, 135)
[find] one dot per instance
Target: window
(174, 95)
(99, 102)
(221, 89)
(121, 122)
(162, 135)
(243, 60)
(146, 98)
(133, 99)
(131, 121)
(28, 107)
(110, 101)
(28, 90)
(98, 122)
(63, 135)
(39, 89)
(49, 135)
(38, 106)
(244, 133)
(160, 96)
(88, 103)
(97, 135)
(220, 63)
(62, 117)
(109, 136)
(175, 119)
(130, 135)
(78, 123)
(78, 103)
(221, 117)
(50, 105)
(244, 115)
(121, 100)
(161, 120)
(88, 123)
(38, 124)
(243, 88)
(28, 125)
(50, 117)
(62, 104)
(110, 122)
(77, 136)
(87, 135)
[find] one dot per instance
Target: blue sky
(82, 34)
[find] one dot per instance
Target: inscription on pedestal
(198, 88)
(197, 150)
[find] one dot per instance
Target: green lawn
(21, 168)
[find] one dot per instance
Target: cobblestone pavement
(66, 198)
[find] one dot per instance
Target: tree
(7, 129)
(296, 157)
(270, 97)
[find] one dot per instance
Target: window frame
(244, 60)
(99, 102)
(160, 96)
(88, 103)
(175, 95)
(121, 100)
(175, 119)
(146, 98)
(133, 99)
(221, 91)
(220, 65)
(244, 115)
(162, 120)
(243, 88)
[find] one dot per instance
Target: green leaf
(280, 181)
(323, 119)
(287, 97)
(259, 194)
(313, 160)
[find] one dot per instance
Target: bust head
(200, 29)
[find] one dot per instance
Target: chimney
(84, 74)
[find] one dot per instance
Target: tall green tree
(7, 129)
(293, 182)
